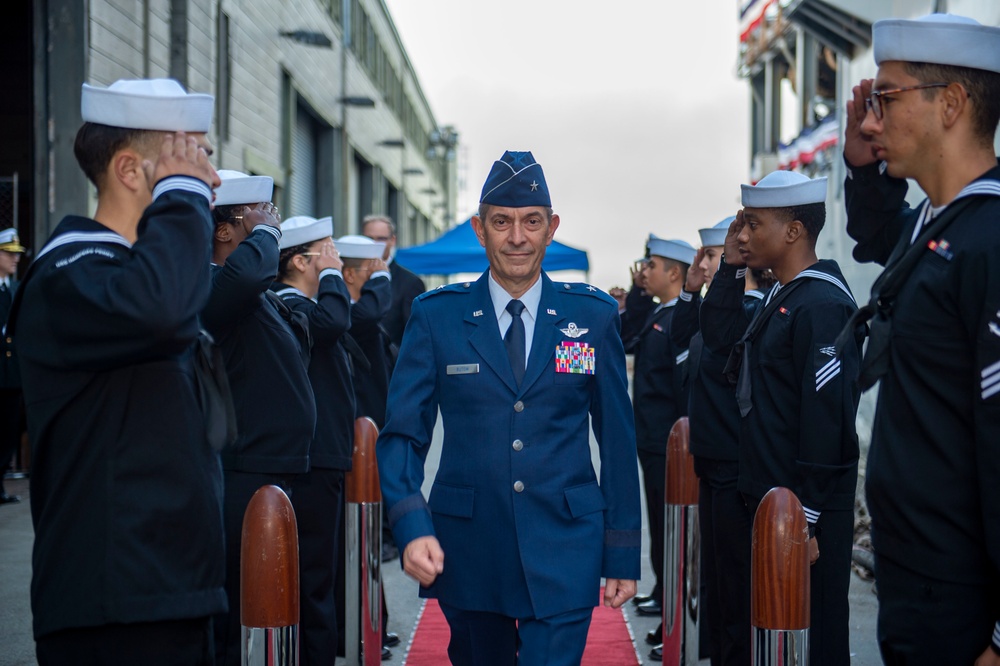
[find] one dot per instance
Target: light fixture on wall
(392, 143)
(357, 100)
(308, 37)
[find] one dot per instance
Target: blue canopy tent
(458, 251)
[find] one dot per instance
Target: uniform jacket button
(519, 406)
(518, 445)
(518, 486)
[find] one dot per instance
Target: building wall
(270, 77)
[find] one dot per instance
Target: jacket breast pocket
(585, 499)
(457, 501)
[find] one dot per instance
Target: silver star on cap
(573, 331)
(534, 186)
(591, 287)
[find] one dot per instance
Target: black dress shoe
(651, 607)
(9, 499)
(655, 637)
(386, 654)
(656, 654)
(390, 640)
(641, 599)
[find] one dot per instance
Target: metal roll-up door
(302, 190)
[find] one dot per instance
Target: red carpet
(609, 642)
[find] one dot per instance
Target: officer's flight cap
(516, 181)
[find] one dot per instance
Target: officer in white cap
(11, 401)
(933, 473)
(125, 486)
(266, 352)
(659, 396)
(714, 441)
(369, 283)
(797, 397)
(310, 282)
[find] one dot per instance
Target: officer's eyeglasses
(874, 101)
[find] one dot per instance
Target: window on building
(223, 75)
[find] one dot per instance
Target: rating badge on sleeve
(575, 358)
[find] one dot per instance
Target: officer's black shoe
(390, 640)
(641, 598)
(9, 499)
(655, 637)
(386, 654)
(651, 607)
(656, 654)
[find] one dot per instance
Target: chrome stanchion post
(363, 551)
(269, 581)
(779, 603)
(681, 552)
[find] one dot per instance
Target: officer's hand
(988, 658)
(262, 213)
(733, 257)
(617, 591)
(813, 546)
(329, 257)
(858, 150)
(696, 277)
(423, 560)
(180, 155)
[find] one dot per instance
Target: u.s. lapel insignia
(550, 311)
(477, 313)
(573, 331)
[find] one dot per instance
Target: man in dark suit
(406, 286)
(517, 532)
(11, 409)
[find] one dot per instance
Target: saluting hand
(858, 149)
(732, 247)
(329, 257)
(180, 155)
(617, 591)
(423, 560)
(262, 213)
(376, 265)
(696, 277)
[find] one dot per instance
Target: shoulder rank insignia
(573, 331)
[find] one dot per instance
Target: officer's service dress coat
(125, 489)
(525, 527)
(933, 472)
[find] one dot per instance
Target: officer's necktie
(514, 340)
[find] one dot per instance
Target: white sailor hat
(782, 189)
(716, 235)
(147, 104)
(302, 229)
(941, 39)
(358, 247)
(9, 241)
(240, 188)
(677, 250)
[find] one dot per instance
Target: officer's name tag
(463, 369)
(576, 358)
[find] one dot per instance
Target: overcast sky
(634, 111)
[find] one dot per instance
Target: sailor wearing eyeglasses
(517, 532)
(933, 474)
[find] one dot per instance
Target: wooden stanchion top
(361, 484)
(682, 482)
(780, 569)
(269, 561)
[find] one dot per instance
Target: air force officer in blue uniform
(517, 532)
